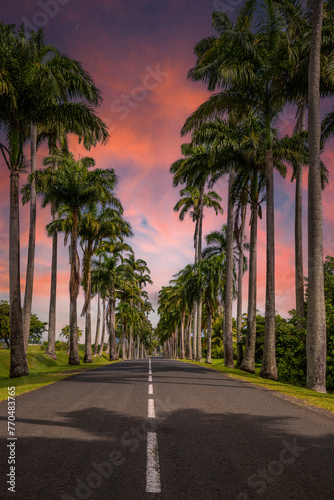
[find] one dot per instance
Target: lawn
(42, 370)
(301, 395)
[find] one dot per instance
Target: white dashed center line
(153, 484)
(151, 409)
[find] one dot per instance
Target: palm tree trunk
(73, 358)
(103, 327)
(31, 245)
(88, 336)
(98, 321)
(199, 258)
(227, 334)
(268, 368)
(18, 360)
(248, 362)
(124, 341)
(137, 347)
(299, 271)
(51, 349)
(195, 331)
(209, 339)
(189, 352)
(112, 336)
(107, 351)
(316, 314)
(182, 336)
(130, 342)
(240, 276)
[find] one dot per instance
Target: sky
(139, 54)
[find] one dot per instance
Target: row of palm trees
(205, 281)
(274, 54)
(44, 97)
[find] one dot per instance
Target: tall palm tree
(56, 81)
(196, 199)
(142, 277)
(316, 315)
(72, 187)
(13, 53)
(106, 279)
(298, 19)
(195, 170)
(182, 301)
(224, 139)
(250, 60)
(93, 228)
(211, 286)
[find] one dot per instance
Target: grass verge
(305, 396)
(42, 370)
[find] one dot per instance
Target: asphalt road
(184, 433)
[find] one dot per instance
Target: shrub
(217, 353)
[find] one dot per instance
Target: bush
(44, 346)
(217, 353)
(290, 353)
(61, 346)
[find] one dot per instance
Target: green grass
(42, 370)
(301, 394)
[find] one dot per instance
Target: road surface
(168, 430)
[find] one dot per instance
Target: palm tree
(250, 60)
(224, 139)
(316, 316)
(169, 312)
(105, 278)
(13, 71)
(298, 20)
(193, 198)
(71, 81)
(183, 302)
(72, 187)
(93, 228)
(142, 276)
(211, 287)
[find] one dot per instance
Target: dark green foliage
(65, 332)
(4, 322)
(59, 346)
(217, 353)
(290, 351)
(37, 327)
(291, 343)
